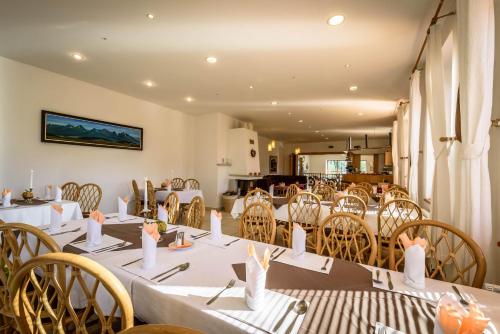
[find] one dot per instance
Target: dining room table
(336, 296)
(37, 212)
(185, 196)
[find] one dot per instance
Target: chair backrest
(159, 329)
(291, 191)
(367, 186)
(177, 183)
(258, 196)
(326, 192)
(304, 209)
(137, 198)
(70, 191)
(360, 192)
(347, 237)
(89, 197)
(152, 205)
(19, 243)
(257, 223)
(193, 184)
(395, 193)
(451, 255)
(61, 275)
(195, 212)
(350, 204)
(171, 203)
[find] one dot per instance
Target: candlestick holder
(145, 213)
(28, 195)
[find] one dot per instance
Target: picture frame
(273, 164)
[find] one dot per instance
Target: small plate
(186, 245)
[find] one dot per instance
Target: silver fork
(228, 286)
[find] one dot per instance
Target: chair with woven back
(326, 192)
(177, 183)
(70, 191)
(350, 204)
(61, 275)
(257, 223)
(347, 237)
(304, 209)
(195, 212)
(159, 329)
(258, 196)
(367, 186)
(138, 202)
(291, 191)
(191, 184)
(451, 255)
(89, 197)
(171, 204)
(390, 216)
(393, 193)
(19, 243)
(152, 205)
(360, 192)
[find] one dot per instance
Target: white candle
(31, 179)
(145, 193)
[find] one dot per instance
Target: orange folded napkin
(97, 216)
(57, 208)
(474, 322)
(407, 243)
(152, 230)
(453, 318)
(125, 199)
(6, 191)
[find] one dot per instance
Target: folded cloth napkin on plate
(162, 214)
(298, 240)
(167, 184)
(58, 197)
(94, 225)
(414, 271)
(215, 225)
(256, 273)
(55, 217)
(187, 187)
(150, 237)
(452, 318)
(271, 190)
(48, 192)
(122, 208)
(6, 197)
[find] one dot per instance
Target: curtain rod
(434, 20)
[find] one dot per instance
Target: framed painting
(74, 130)
(273, 164)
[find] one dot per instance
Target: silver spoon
(280, 322)
(300, 308)
(181, 268)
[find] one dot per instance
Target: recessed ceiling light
(150, 16)
(289, 114)
(360, 114)
(300, 121)
(317, 131)
(274, 103)
(189, 99)
(326, 137)
(336, 20)
(347, 66)
(211, 60)
(77, 56)
(251, 86)
(149, 83)
(353, 88)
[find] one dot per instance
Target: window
(363, 166)
(335, 166)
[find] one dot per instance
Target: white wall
(317, 163)
(264, 155)
(26, 90)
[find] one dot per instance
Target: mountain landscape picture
(67, 129)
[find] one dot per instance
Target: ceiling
(283, 48)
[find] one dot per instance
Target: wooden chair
(304, 209)
(257, 223)
(450, 255)
(360, 192)
(19, 243)
(192, 183)
(390, 216)
(60, 274)
(160, 329)
(291, 191)
(89, 197)
(395, 193)
(258, 196)
(152, 205)
(70, 191)
(350, 204)
(177, 183)
(367, 186)
(137, 199)
(326, 192)
(171, 203)
(347, 237)
(195, 212)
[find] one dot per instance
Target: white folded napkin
(271, 190)
(414, 271)
(94, 225)
(48, 192)
(55, 218)
(122, 208)
(150, 237)
(58, 197)
(163, 214)
(298, 241)
(256, 274)
(215, 225)
(169, 187)
(6, 197)
(452, 317)
(187, 187)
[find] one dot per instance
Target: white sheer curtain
(476, 45)
(440, 120)
(415, 114)
(395, 153)
(403, 142)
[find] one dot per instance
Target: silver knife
(389, 281)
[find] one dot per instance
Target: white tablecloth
(181, 299)
(185, 196)
(37, 215)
